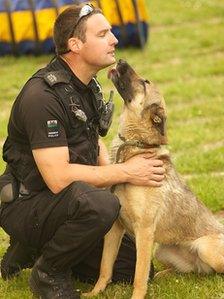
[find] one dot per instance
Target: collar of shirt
(86, 90)
(75, 79)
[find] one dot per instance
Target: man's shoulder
(35, 87)
(42, 86)
(35, 93)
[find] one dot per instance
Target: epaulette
(55, 77)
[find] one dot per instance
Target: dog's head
(144, 114)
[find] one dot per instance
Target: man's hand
(145, 170)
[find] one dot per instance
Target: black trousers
(68, 229)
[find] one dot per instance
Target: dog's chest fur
(162, 208)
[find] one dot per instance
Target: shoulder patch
(52, 128)
(55, 77)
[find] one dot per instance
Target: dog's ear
(157, 116)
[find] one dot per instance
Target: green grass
(185, 57)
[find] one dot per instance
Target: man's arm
(58, 173)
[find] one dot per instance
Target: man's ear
(74, 44)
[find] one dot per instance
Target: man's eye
(102, 34)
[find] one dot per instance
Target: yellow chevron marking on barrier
(4, 28)
(45, 21)
(23, 26)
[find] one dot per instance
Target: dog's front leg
(144, 245)
(112, 242)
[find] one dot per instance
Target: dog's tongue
(111, 73)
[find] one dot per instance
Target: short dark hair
(67, 25)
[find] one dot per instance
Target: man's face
(99, 48)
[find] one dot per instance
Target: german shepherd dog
(189, 237)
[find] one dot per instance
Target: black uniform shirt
(39, 120)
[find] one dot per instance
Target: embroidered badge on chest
(52, 128)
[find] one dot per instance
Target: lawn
(185, 57)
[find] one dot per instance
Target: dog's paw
(99, 287)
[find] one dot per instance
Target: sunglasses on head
(85, 11)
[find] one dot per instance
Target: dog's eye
(147, 81)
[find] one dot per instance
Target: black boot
(16, 258)
(47, 283)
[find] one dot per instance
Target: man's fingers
(155, 183)
(154, 163)
(159, 170)
(157, 178)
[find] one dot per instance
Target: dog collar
(135, 143)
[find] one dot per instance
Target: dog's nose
(122, 66)
(121, 61)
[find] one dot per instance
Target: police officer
(55, 206)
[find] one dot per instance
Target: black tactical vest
(82, 132)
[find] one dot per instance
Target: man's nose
(114, 40)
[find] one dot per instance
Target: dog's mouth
(119, 70)
(122, 77)
(112, 73)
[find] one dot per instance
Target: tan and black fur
(189, 236)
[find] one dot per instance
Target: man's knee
(106, 206)
(97, 205)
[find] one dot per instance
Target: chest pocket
(82, 132)
(79, 126)
(82, 143)
(78, 132)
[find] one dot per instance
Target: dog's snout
(125, 80)
(122, 66)
(121, 61)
